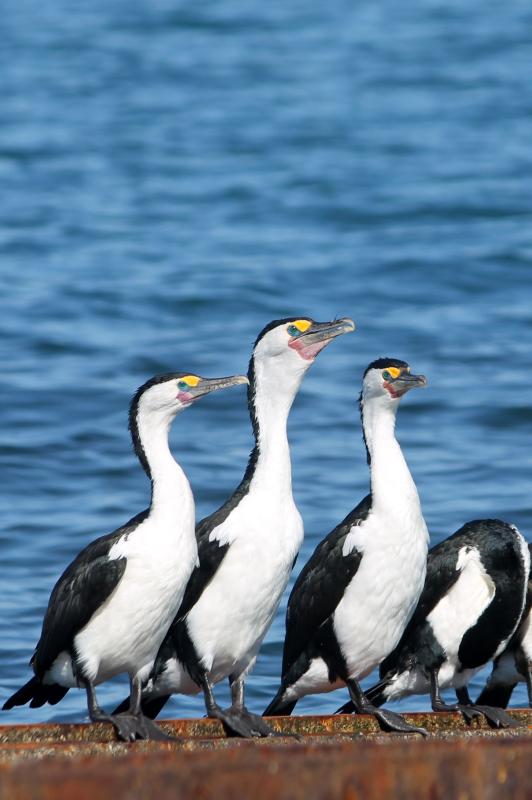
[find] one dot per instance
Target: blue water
(173, 177)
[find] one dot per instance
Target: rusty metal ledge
(198, 730)
(474, 767)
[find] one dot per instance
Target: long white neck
(275, 390)
(392, 486)
(171, 492)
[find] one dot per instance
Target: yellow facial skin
(190, 380)
(394, 371)
(302, 325)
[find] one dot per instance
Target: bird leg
(435, 697)
(256, 723)
(496, 717)
(234, 718)
(388, 720)
(130, 724)
(466, 709)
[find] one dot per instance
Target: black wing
(82, 588)
(210, 556)
(321, 585)
(210, 553)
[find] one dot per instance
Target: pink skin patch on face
(185, 398)
(393, 392)
(309, 351)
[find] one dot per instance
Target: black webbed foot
(439, 705)
(388, 720)
(240, 722)
(258, 724)
(126, 726)
(497, 717)
(130, 727)
(395, 723)
(152, 731)
(235, 723)
(469, 712)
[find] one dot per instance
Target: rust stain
(344, 757)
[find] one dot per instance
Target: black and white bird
(514, 664)
(247, 548)
(472, 601)
(111, 608)
(354, 597)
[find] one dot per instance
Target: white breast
(230, 619)
(383, 594)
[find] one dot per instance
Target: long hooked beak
(406, 381)
(208, 385)
(315, 338)
(323, 331)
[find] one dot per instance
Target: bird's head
(157, 402)
(289, 346)
(389, 379)
(167, 395)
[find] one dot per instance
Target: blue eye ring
(386, 375)
(182, 386)
(293, 331)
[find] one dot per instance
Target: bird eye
(182, 386)
(293, 331)
(386, 375)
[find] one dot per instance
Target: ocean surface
(174, 176)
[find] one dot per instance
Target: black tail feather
(151, 706)
(376, 693)
(347, 708)
(279, 707)
(36, 694)
(124, 705)
(498, 695)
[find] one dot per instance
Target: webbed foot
(393, 722)
(497, 717)
(240, 722)
(130, 727)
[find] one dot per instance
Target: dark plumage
(248, 546)
(471, 603)
(110, 609)
(309, 611)
(514, 664)
(353, 598)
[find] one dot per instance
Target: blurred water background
(174, 176)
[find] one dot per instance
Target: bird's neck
(171, 492)
(271, 397)
(392, 486)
